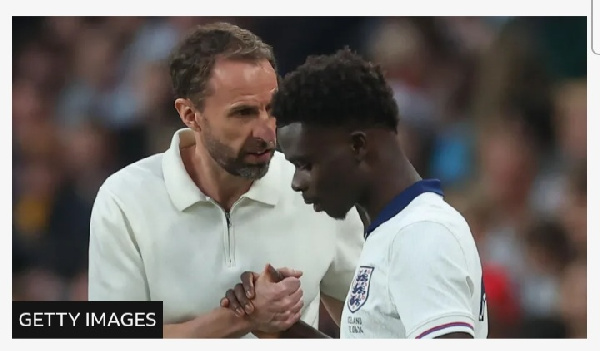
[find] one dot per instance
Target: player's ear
(358, 144)
(187, 113)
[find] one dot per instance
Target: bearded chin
(239, 168)
(251, 172)
(233, 164)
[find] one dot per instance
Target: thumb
(289, 272)
(273, 274)
(224, 302)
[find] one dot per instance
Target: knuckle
(280, 288)
(279, 292)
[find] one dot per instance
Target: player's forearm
(219, 323)
(334, 307)
(301, 330)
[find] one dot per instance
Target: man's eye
(246, 112)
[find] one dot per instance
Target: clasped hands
(271, 301)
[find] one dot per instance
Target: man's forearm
(301, 330)
(218, 323)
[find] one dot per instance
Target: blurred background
(495, 107)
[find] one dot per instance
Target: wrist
(239, 325)
(231, 326)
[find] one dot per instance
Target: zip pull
(229, 246)
(228, 219)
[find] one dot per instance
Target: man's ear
(358, 143)
(187, 113)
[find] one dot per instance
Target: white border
(307, 7)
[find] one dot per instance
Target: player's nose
(300, 181)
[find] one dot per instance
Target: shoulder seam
(433, 222)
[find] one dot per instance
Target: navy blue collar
(402, 200)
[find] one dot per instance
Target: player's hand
(238, 298)
(272, 300)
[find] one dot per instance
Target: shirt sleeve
(349, 240)
(429, 281)
(115, 265)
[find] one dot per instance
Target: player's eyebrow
(299, 159)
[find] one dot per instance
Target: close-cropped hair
(337, 90)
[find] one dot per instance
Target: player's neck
(394, 177)
(212, 179)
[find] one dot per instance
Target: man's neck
(216, 183)
(395, 176)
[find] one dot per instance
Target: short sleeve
(429, 282)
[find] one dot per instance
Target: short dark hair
(192, 62)
(341, 89)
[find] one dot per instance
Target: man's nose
(265, 129)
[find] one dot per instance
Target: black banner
(87, 319)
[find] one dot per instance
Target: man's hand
(271, 300)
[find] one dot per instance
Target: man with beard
(181, 226)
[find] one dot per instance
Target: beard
(233, 162)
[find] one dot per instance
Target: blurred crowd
(495, 107)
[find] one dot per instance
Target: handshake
(270, 301)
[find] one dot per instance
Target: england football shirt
(419, 273)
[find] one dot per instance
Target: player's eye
(304, 166)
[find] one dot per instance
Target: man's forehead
(241, 75)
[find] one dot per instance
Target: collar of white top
(184, 193)
(400, 201)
